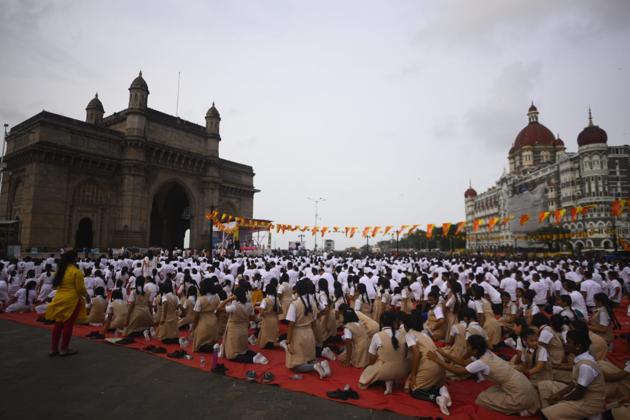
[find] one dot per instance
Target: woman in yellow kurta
(67, 306)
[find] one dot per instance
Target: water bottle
(215, 356)
(202, 362)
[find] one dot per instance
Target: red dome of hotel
(591, 134)
(470, 193)
(534, 134)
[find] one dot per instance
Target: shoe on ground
(337, 394)
(268, 377)
(250, 375)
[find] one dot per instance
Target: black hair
(302, 288)
(140, 285)
(606, 303)
(241, 295)
(272, 290)
(388, 319)
(349, 315)
(166, 287)
(99, 291)
(322, 285)
(413, 321)
(117, 294)
(467, 312)
(363, 292)
(479, 344)
(540, 320)
(580, 337)
(556, 322)
(192, 291)
(527, 333)
(68, 258)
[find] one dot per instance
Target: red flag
(446, 227)
(460, 227)
(429, 231)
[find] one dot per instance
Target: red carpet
(462, 392)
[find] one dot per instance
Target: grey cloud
(497, 121)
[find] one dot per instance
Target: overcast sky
(386, 109)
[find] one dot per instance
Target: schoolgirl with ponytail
(268, 310)
(139, 316)
(363, 303)
(387, 355)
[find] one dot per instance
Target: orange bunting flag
(335, 228)
(460, 227)
(507, 220)
(324, 230)
(366, 230)
(616, 208)
(347, 230)
(446, 227)
(492, 222)
(559, 215)
(429, 231)
(403, 228)
(476, 224)
(376, 230)
(353, 230)
(387, 229)
(542, 216)
(411, 229)
(304, 229)
(524, 219)
(574, 213)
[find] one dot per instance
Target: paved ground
(107, 382)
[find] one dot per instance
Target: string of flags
(230, 224)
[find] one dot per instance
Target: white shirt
(586, 374)
(590, 288)
(478, 367)
(541, 356)
(508, 285)
(376, 342)
(545, 335)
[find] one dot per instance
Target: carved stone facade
(138, 177)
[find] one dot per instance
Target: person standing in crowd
(68, 305)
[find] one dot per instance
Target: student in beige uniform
(269, 311)
(603, 319)
(467, 326)
(510, 311)
(363, 303)
(300, 343)
(205, 330)
(139, 316)
(426, 378)
(97, 307)
(186, 308)
(586, 395)
(235, 345)
(356, 340)
(326, 322)
(116, 313)
(382, 300)
(368, 323)
(453, 305)
(388, 361)
(486, 316)
(513, 392)
(436, 324)
(285, 292)
(534, 361)
(617, 380)
(167, 320)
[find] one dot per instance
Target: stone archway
(170, 216)
(84, 237)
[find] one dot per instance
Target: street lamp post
(316, 201)
(4, 141)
